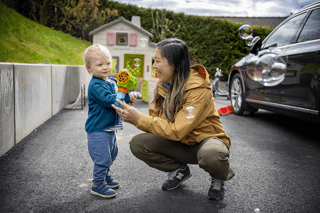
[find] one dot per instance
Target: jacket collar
(199, 77)
(111, 78)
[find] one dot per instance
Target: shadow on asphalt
(50, 171)
(294, 125)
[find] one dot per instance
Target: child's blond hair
(91, 52)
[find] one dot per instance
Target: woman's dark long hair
(179, 57)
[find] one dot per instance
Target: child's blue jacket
(101, 95)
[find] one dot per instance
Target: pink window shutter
(133, 39)
(110, 38)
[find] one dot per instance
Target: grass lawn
(25, 41)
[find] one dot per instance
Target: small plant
(161, 26)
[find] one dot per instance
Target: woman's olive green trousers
(212, 154)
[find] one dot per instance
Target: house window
(115, 65)
(122, 38)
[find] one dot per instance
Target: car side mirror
(255, 45)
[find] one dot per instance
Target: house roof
(121, 19)
(261, 21)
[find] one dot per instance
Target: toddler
(103, 121)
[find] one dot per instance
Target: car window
(284, 34)
(311, 30)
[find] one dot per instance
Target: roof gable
(121, 19)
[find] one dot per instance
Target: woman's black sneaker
(176, 177)
(216, 190)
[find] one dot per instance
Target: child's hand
(132, 98)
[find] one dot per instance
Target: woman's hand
(127, 113)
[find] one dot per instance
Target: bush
(213, 42)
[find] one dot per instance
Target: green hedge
(213, 42)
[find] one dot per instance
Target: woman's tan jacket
(206, 122)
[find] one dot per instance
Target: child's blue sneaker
(103, 190)
(112, 182)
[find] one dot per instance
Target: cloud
(258, 8)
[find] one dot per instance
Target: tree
(161, 26)
(84, 15)
(43, 15)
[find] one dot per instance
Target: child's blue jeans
(103, 150)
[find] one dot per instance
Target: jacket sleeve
(102, 94)
(182, 126)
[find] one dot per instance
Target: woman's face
(162, 67)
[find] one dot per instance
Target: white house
(131, 49)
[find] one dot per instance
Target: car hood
(243, 61)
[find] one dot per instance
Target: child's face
(101, 67)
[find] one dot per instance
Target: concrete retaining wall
(30, 94)
(7, 138)
(66, 82)
(32, 97)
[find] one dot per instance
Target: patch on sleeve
(151, 109)
(202, 72)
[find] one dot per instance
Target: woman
(173, 139)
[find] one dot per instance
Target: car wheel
(236, 95)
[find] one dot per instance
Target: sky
(251, 8)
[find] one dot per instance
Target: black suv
(298, 38)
